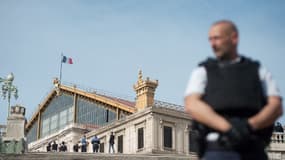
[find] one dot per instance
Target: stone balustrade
(278, 137)
(276, 149)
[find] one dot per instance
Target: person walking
(111, 143)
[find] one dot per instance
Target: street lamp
(8, 88)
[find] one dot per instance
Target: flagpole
(60, 73)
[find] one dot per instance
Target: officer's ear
(234, 38)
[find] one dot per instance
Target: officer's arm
(203, 113)
(273, 109)
(268, 114)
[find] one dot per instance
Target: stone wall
(152, 120)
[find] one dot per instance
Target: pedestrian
(95, 143)
(54, 147)
(111, 143)
(49, 147)
(233, 101)
(62, 147)
(75, 147)
(83, 144)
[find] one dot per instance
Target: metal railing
(100, 91)
(162, 104)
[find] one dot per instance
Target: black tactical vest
(235, 90)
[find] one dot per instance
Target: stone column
(15, 135)
(16, 123)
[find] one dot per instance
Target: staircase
(97, 156)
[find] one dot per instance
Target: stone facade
(152, 120)
(276, 149)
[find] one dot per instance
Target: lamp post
(8, 88)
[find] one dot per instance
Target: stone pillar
(14, 140)
(16, 123)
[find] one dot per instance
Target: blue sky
(111, 40)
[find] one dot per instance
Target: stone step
(97, 156)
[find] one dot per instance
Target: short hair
(231, 25)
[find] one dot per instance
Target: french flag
(67, 60)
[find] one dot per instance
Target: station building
(144, 125)
(141, 126)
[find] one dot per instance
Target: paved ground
(88, 156)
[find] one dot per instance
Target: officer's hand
(237, 136)
(242, 126)
(231, 138)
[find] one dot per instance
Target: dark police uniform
(235, 91)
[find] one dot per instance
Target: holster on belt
(199, 140)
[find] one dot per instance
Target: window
(63, 118)
(107, 115)
(32, 134)
(54, 117)
(70, 115)
(120, 144)
(45, 125)
(53, 124)
(140, 138)
(88, 112)
(167, 137)
(101, 148)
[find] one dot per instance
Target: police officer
(95, 144)
(84, 144)
(232, 100)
